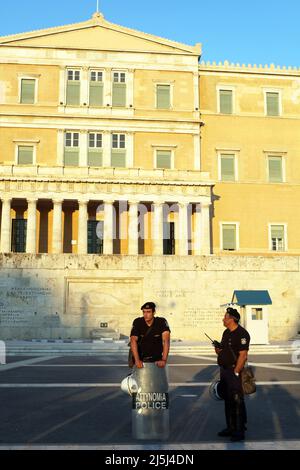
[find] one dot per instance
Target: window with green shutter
(25, 155)
(73, 88)
(95, 157)
(227, 167)
(277, 237)
(27, 91)
(119, 90)
(275, 170)
(225, 97)
(164, 159)
(163, 96)
(118, 152)
(272, 103)
(71, 156)
(229, 237)
(96, 88)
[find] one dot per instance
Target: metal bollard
(150, 405)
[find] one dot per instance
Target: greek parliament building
(130, 173)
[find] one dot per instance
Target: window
(169, 238)
(164, 159)
(272, 104)
(229, 237)
(275, 169)
(71, 148)
(227, 167)
(18, 238)
(119, 90)
(96, 88)
(163, 96)
(226, 101)
(95, 236)
(25, 155)
(278, 238)
(118, 152)
(73, 87)
(27, 91)
(95, 150)
(257, 313)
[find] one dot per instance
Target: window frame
(161, 148)
(226, 88)
(36, 88)
(25, 143)
(283, 167)
(285, 241)
(171, 85)
(237, 233)
(73, 69)
(235, 157)
(119, 72)
(280, 108)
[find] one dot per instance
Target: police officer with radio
(232, 355)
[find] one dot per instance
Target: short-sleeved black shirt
(150, 348)
(233, 342)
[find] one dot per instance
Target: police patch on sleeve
(243, 341)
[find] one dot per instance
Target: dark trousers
(235, 409)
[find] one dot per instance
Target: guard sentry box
(150, 404)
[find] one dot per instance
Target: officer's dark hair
(233, 313)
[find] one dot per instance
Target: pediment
(98, 34)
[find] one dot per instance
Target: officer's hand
(139, 364)
(160, 364)
(218, 350)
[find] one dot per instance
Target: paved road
(77, 401)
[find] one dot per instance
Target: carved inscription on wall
(196, 316)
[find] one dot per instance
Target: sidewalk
(108, 345)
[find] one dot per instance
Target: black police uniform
(230, 385)
(150, 348)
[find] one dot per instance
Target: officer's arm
(243, 355)
(166, 348)
(135, 352)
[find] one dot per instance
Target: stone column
(31, 226)
(183, 229)
(6, 226)
(205, 228)
(197, 231)
(57, 227)
(108, 234)
(157, 228)
(82, 228)
(133, 248)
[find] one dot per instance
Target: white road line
(112, 385)
(273, 365)
(26, 362)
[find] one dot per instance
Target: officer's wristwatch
(236, 374)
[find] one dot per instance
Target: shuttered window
(27, 91)
(119, 90)
(272, 103)
(71, 149)
(229, 237)
(118, 152)
(163, 96)
(73, 88)
(227, 167)
(96, 88)
(25, 155)
(18, 236)
(277, 237)
(169, 238)
(95, 237)
(163, 159)
(275, 169)
(225, 97)
(95, 157)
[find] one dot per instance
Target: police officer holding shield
(150, 338)
(232, 355)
